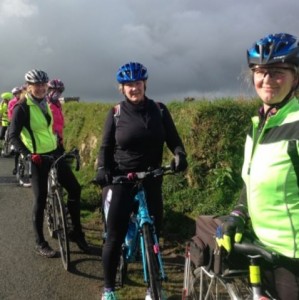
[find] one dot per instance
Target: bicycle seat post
(255, 276)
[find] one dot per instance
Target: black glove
(103, 176)
(232, 228)
(179, 162)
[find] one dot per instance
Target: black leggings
(282, 279)
(2, 132)
(118, 203)
(39, 183)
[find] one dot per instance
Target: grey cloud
(191, 48)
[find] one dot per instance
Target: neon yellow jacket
(39, 138)
(3, 114)
(271, 174)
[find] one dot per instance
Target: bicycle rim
(62, 234)
(152, 264)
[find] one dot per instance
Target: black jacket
(134, 140)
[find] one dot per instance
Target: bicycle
(23, 172)
(236, 284)
(7, 148)
(144, 239)
(56, 211)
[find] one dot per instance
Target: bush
(213, 133)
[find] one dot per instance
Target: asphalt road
(25, 275)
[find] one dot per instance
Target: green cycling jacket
(271, 174)
(39, 137)
(4, 114)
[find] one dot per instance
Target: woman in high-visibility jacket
(32, 134)
(6, 97)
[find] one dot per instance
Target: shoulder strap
(116, 113)
(159, 107)
(117, 107)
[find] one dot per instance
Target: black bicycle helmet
(274, 48)
(130, 72)
(36, 76)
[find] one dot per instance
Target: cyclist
(16, 91)
(133, 138)
(271, 169)
(6, 97)
(55, 89)
(31, 133)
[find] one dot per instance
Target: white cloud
(17, 9)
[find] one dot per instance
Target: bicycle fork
(156, 249)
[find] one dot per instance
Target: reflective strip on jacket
(271, 174)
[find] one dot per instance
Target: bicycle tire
(155, 282)
(22, 176)
(61, 229)
(6, 145)
(122, 269)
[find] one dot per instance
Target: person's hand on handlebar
(103, 176)
(179, 162)
(232, 229)
(36, 159)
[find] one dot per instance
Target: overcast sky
(192, 48)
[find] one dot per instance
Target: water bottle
(130, 239)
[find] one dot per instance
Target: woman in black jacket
(134, 135)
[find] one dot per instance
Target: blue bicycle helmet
(274, 48)
(130, 72)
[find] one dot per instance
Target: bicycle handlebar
(250, 249)
(54, 160)
(134, 177)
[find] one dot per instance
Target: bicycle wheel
(122, 268)
(61, 229)
(22, 173)
(152, 264)
(5, 152)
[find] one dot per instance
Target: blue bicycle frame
(142, 235)
(142, 218)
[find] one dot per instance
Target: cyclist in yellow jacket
(271, 164)
(32, 134)
(6, 97)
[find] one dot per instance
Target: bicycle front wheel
(152, 264)
(61, 229)
(122, 268)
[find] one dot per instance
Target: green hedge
(213, 133)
